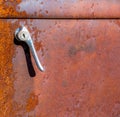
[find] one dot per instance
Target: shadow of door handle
(22, 34)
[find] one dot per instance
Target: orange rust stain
(8, 8)
(39, 45)
(6, 80)
(32, 102)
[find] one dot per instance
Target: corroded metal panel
(82, 69)
(60, 8)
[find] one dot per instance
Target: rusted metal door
(80, 57)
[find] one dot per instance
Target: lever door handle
(22, 34)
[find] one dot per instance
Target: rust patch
(32, 102)
(8, 9)
(6, 80)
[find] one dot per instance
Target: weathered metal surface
(6, 78)
(60, 8)
(82, 69)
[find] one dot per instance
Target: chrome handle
(22, 34)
